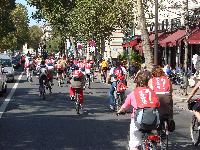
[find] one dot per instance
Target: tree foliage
(85, 19)
(6, 25)
(17, 38)
(35, 34)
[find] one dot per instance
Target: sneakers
(81, 106)
(111, 108)
(72, 98)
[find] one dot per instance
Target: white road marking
(8, 98)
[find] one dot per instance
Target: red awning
(172, 39)
(152, 36)
(125, 44)
(194, 38)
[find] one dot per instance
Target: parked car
(7, 67)
(15, 63)
(3, 84)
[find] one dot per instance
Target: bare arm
(194, 90)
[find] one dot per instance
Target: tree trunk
(148, 55)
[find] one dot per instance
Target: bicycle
(119, 94)
(103, 76)
(194, 125)
(150, 139)
(42, 90)
(29, 75)
(163, 131)
(77, 101)
(88, 81)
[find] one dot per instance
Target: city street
(30, 123)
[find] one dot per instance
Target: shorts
(104, 69)
(166, 105)
(135, 135)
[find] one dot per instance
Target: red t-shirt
(146, 97)
(161, 84)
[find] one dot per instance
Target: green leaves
(6, 25)
(35, 34)
(15, 39)
(85, 19)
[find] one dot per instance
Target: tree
(20, 20)
(6, 24)
(148, 54)
(35, 34)
(17, 38)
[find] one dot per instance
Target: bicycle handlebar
(121, 113)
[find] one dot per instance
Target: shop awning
(152, 36)
(125, 44)
(173, 39)
(194, 38)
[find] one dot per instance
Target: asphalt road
(30, 123)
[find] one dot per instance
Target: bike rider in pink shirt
(142, 93)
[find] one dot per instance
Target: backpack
(146, 115)
(118, 73)
(147, 118)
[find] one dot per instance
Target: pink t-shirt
(130, 101)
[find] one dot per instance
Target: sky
(30, 10)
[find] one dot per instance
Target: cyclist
(196, 106)
(103, 68)
(162, 86)
(81, 65)
(135, 99)
(50, 65)
(43, 71)
(88, 67)
(60, 70)
(116, 73)
(77, 82)
(27, 66)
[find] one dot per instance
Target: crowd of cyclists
(153, 89)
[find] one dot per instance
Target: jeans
(111, 94)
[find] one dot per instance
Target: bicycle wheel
(118, 102)
(42, 92)
(148, 145)
(194, 131)
(77, 103)
(164, 135)
(89, 82)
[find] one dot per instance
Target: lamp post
(156, 34)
